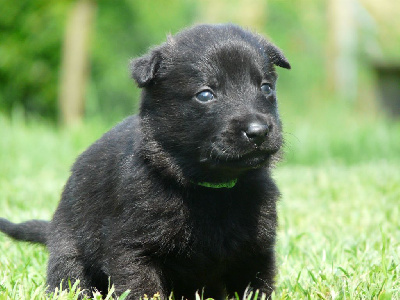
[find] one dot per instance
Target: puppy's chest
(216, 225)
(222, 226)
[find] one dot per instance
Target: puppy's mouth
(253, 160)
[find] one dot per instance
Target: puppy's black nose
(257, 132)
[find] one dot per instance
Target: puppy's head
(209, 109)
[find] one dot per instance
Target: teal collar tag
(226, 185)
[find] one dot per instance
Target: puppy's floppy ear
(276, 56)
(144, 68)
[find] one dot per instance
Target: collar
(227, 185)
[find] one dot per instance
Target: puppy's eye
(266, 88)
(205, 96)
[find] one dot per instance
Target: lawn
(339, 234)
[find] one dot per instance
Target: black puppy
(178, 198)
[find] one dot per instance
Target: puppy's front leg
(139, 275)
(255, 273)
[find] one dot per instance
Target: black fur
(133, 210)
(34, 231)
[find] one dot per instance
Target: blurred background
(66, 61)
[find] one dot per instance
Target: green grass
(339, 234)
